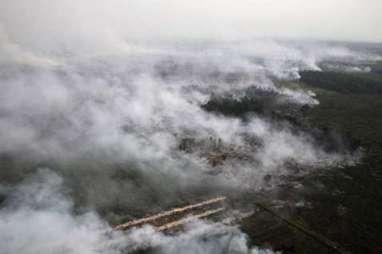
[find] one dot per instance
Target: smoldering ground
(108, 115)
(111, 127)
(38, 217)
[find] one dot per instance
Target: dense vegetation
(343, 203)
(265, 103)
(344, 82)
(350, 205)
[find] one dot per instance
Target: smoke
(10, 52)
(112, 120)
(200, 238)
(39, 217)
(86, 25)
(137, 107)
(112, 127)
(118, 115)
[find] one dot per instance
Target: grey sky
(40, 21)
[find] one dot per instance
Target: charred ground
(342, 203)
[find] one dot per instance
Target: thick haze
(35, 22)
(106, 93)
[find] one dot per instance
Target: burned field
(190, 127)
(341, 202)
(158, 153)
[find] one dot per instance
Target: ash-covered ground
(105, 139)
(97, 130)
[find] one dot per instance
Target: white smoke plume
(86, 99)
(39, 217)
(104, 96)
(137, 107)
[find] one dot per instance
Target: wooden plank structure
(167, 220)
(180, 216)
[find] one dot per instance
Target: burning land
(115, 142)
